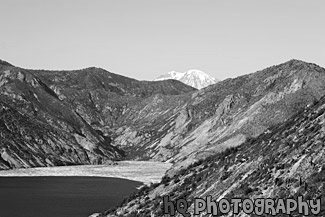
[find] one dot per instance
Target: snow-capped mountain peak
(193, 77)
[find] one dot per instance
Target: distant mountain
(194, 78)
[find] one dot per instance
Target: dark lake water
(61, 196)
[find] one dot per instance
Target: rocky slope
(64, 117)
(194, 78)
(28, 142)
(220, 116)
(285, 161)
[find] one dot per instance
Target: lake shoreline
(141, 171)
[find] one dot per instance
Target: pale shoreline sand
(141, 171)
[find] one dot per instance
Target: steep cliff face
(285, 161)
(77, 108)
(28, 142)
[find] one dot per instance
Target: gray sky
(145, 38)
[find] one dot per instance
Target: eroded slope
(285, 161)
